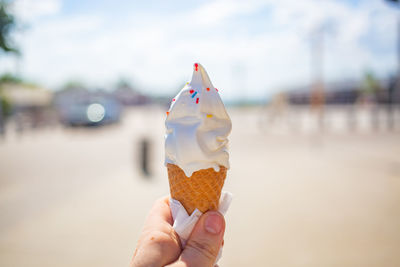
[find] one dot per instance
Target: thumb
(205, 241)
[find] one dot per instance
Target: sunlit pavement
(77, 197)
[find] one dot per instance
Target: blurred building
(30, 105)
(348, 92)
(130, 97)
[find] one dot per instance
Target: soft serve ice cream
(196, 154)
(197, 127)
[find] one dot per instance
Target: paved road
(76, 197)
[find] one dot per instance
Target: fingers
(205, 241)
(159, 244)
(160, 212)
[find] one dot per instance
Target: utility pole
(317, 95)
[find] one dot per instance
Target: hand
(159, 244)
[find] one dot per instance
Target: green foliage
(73, 84)
(7, 26)
(370, 83)
(5, 106)
(123, 83)
(10, 78)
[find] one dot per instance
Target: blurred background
(312, 88)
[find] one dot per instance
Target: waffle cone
(202, 190)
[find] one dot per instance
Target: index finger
(160, 212)
(159, 244)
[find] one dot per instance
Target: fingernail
(214, 223)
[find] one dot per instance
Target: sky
(250, 49)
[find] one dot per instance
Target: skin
(159, 244)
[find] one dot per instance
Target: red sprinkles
(208, 89)
(197, 100)
(196, 66)
(191, 91)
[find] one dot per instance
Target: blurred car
(80, 107)
(90, 113)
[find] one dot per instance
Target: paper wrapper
(184, 223)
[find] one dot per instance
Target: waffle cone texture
(202, 190)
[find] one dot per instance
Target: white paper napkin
(184, 224)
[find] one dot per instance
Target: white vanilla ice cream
(197, 126)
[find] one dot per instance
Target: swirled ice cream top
(197, 126)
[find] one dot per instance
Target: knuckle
(203, 248)
(163, 239)
(158, 237)
(161, 200)
(174, 236)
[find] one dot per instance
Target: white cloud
(29, 10)
(246, 53)
(216, 11)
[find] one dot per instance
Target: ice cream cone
(202, 190)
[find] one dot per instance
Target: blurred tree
(7, 27)
(370, 84)
(9, 78)
(372, 91)
(5, 105)
(73, 84)
(123, 83)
